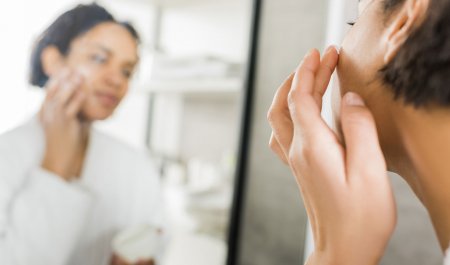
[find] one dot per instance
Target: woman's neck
(425, 138)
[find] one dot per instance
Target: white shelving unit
(200, 86)
(195, 117)
(170, 3)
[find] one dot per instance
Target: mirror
(183, 110)
(195, 113)
(271, 220)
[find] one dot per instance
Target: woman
(394, 75)
(66, 189)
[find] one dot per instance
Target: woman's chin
(97, 114)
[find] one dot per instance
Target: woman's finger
(51, 88)
(363, 151)
(327, 66)
(276, 148)
(280, 99)
(279, 116)
(68, 88)
(54, 83)
(283, 131)
(305, 73)
(305, 111)
(75, 104)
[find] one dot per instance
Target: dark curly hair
(67, 27)
(419, 74)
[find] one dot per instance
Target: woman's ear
(404, 22)
(52, 60)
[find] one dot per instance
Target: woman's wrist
(55, 167)
(328, 258)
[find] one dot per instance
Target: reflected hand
(345, 187)
(62, 126)
(116, 260)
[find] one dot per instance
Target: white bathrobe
(447, 259)
(47, 221)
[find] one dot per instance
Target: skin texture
(84, 86)
(414, 141)
(348, 198)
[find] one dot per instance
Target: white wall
(209, 28)
(273, 218)
(21, 21)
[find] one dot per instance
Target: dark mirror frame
(244, 141)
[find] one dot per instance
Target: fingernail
(353, 99)
(304, 58)
(308, 54)
(330, 49)
(337, 48)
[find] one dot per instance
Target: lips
(108, 100)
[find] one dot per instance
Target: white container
(138, 243)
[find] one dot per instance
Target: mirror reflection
(119, 130)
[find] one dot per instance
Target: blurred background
(185, 108)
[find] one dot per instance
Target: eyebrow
(131, 63)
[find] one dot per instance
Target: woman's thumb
(363, 150)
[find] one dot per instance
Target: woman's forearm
(323, 258)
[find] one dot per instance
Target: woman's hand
(65, 133)
(116, 260)
(345, 186)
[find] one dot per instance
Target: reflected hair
(66, 28)
(419, 73)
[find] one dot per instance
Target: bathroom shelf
(171, 3)
(195, 86)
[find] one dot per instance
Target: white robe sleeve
(40, 221)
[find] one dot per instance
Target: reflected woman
(394, 76)
(65, 188)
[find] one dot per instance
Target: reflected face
(106, 57)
